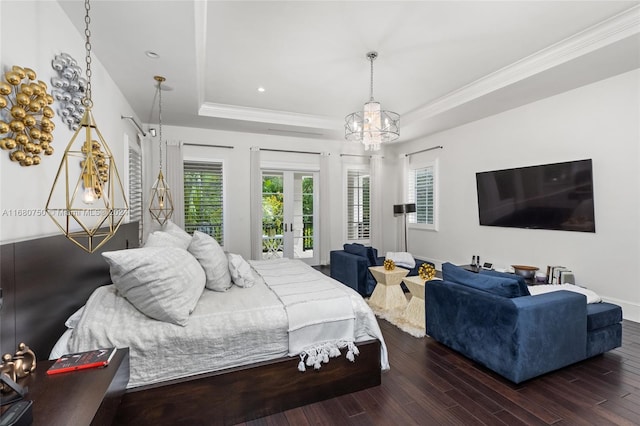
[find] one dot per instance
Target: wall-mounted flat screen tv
(555, 196)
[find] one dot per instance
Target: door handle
(285, 227)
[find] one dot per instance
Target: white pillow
(163, 283)
(240, 271)
(74, 319)
(171, 228)
(165, 239)
(402, 258)
(213, 260)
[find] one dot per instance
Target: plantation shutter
(421, 192)
(358, 205)
(135, 187)
(203, 199)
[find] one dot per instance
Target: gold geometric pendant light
(91, 198)
(161, 205)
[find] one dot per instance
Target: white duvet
(238, 327)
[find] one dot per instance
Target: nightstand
(84, 397)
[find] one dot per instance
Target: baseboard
(630, 310)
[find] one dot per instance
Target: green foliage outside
(203, 203)
(273, 203)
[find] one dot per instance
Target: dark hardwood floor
(429, 384)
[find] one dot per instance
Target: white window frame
(359, 168)
(411, 194)
(224, 190)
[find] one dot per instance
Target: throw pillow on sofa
(501, 286)
(524, 288)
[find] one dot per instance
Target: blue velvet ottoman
(604, 328)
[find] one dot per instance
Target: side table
(414, 314)
(84, 397)
(388, 295)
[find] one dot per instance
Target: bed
(260, 381)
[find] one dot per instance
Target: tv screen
(555, 196)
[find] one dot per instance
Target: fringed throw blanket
(321, 317)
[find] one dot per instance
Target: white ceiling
(440, 64)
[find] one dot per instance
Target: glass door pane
(303, 216)
(272, 215)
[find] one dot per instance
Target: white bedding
(238, 327)
(592, 297)
(320, 313)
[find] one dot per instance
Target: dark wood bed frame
(47, 279)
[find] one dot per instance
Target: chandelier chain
(87, 20)
(160, 119)
(371, 58)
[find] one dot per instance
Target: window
(357, 204)
(203, 199)
(135, 187)
(422, 191)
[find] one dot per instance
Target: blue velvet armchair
(351, 265)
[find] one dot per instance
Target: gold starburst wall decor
(25, 116)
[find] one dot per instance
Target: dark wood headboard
(44, 281)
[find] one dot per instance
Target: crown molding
(233, 112)
(607, 32)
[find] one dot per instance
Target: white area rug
(396, 317)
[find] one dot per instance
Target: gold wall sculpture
(26, 124)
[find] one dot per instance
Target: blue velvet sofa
(351, 265)
(492, 319)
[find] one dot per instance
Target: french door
(289, 215)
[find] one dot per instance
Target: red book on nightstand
(82, 360)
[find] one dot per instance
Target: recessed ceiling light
(260, 89)
(152, 55)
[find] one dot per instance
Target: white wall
(31, 34)
(600, 121)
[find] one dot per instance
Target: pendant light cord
(87, 44)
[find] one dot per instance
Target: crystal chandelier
(373, 125)
(87, 179)
(161, 205)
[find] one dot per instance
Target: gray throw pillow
(171, 228)
(165, 239)
(240, 271)
(213, 260)
(164, 283)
